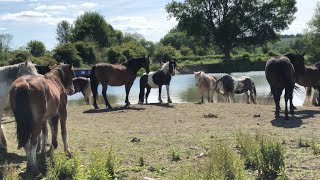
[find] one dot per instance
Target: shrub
(67, 53)
(141, 161)
(87, 51)
(20, 56)
(36, 48)
(223, 163)
(110, 163)
(316, 148)
(97, 167)
(175, 155)
(185, 51)
(59, 166)
(9, 172)
(249, 149)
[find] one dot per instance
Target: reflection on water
(182, 89)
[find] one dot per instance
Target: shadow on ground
(114, 109)
(296, 120)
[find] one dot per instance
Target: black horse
(157, 80)
(280, 73)
(116, 75)
(43, 69)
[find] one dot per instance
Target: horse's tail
(23, 115)
(254, 90)
(94, 81)
(308, 92)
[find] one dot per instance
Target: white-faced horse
(157, 80)
(205, 83)
(228, 86)
(8, 74)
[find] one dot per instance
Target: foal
(205, 83)
(228, 86)
(36, 99)
(8, 74)
(157, 80)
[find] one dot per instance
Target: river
(182, 90)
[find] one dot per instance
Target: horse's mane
(56, 75)
(165, 67)
(131, 61)
(10, 70)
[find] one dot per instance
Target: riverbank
(187, 128)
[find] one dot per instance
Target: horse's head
(42, 69)
(67, 77)
(219, 86)
(27, 68)
(172, 67)
(197, 77)
(146, 63)
(297, 61)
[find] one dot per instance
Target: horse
(157, 80)
(116, 75)
(82, 84)
(205, 83)
(228, 86)
(8, 74)
(310, 78)
(34, 101)
(42, 69)
(281, 72)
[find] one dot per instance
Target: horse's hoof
(96, 107)
(169, 101)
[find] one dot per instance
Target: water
(182, 90)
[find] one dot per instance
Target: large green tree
(64, 32)
(5, 41)
(233, 23)
(93, 27)
(36, 48)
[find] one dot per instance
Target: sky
(37, 19)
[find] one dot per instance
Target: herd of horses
(38, 95)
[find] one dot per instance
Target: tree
(36, 48)
(87, 51)
(233, 23)
(64, 32)
(164, 53)
(5, 41)
(93, 27)
(67, 53)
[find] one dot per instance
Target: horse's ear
(71, 66)
(27, 62)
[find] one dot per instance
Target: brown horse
(82, 84)
(311, 79)
(36, 99)
(280, 73)
(116, 75)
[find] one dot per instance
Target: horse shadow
(296, 120)
(165, 105)
(122, 108)
(11, 158)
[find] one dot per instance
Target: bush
(36, 48)
(59, 166)
(97, 168)
(87, 51)
(20, 56)
(165, 53)
(175, 155)
(67, 53)
(44, 60)
(185, 51)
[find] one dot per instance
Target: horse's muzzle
(71, 91)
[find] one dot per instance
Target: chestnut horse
(281, 74)
(116, 75)
(8, 74)
(34, 101)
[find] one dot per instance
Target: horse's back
(113, 74)
(279, 72)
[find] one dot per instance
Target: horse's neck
(8, 74)
(56, 78)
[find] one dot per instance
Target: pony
(8, 74)
(116, 75)
(205, 83)
(228, 86)
(310, 78)
(42, 69)
(34, 101)
(157, 80)
(281, 72)
(82, 84)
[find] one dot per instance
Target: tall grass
(263, 154)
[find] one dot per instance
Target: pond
(182, 90)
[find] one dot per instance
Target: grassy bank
(176, 141)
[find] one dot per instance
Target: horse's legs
(128, 87)
(147, 94)
(208, 96)
(104, 94)
(276, 97)
(159, 98)
(3, 141)
(53, 122)
(33, 146)
(94, 89)
(253, 97)
(168, 94)
(248, 98)
(141, 94)
(318, 98)
(44, 138)
(202, 92)
(292, 108)
(232, 96)
(64, 134)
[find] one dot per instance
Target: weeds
(175, 155)
(141, 162)
(304, 143)
(316, 148)
(97, 167)
(9, 172)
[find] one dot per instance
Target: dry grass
(162, 128)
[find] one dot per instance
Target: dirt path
(186, 127)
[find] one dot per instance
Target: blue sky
(36, 19)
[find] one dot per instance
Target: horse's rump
(280, 72)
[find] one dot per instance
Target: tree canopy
(36, 48)
(233, 23)
(64, 32)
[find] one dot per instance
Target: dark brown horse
(116, 75)
(310, 79)
(36, 99)
(82, 84)
(280, 73)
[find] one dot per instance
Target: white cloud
(2, 28)
(11, 0)
(50, 8)
(89, 5)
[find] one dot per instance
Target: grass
(175, 155)
(178, 126)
